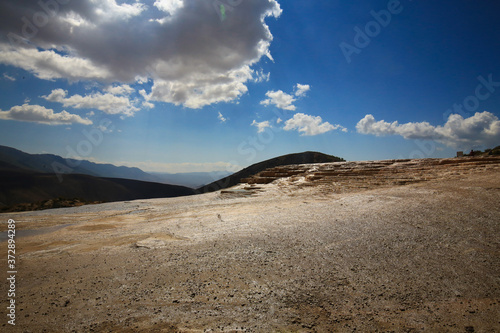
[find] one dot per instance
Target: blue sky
(184, 85)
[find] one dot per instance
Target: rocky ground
(365, 251)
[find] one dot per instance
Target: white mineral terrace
(382, 246)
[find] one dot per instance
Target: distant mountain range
(48, 163)
(190, 179)
(39, 181)
(14, 159)
(298, 158)
(34, 181)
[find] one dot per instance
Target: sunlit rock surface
(400, 245)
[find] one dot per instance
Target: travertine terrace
(384, 246)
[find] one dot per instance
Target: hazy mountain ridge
(14, 159)
(190, 179)
(49, 163)
(27, 180)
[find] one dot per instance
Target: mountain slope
(298, 158)
(48, 163)
(23, 186)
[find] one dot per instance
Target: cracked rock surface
(415, 247)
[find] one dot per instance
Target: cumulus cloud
(193, 58)
(301, 89)
(107, 103)
(123, 89)
(146, 103)
(481, 129)
(280, 99)
(49, 65)
(169, 6)
(111, 10)
(283, 100)
(200, 90)
(221, 118)
(261, 126)
(310, 125)
(42, 115)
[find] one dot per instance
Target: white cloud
(310, 125)
(280, 99)
(105, 129)
(75, 20)
(481, 129)
(107, 103)
(301, 89)
(279, 121)
(146, 103)
(141, 79)
(260, 76)
(123, 89)
(283, 100)
(194, 58)
(261, 126)
(222, 118)
(8, 77)
(197, 91)
(169, 6)
(49, 65)
(368, 125)
(110, 10)
(42, 115)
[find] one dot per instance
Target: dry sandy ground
(412, 258)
